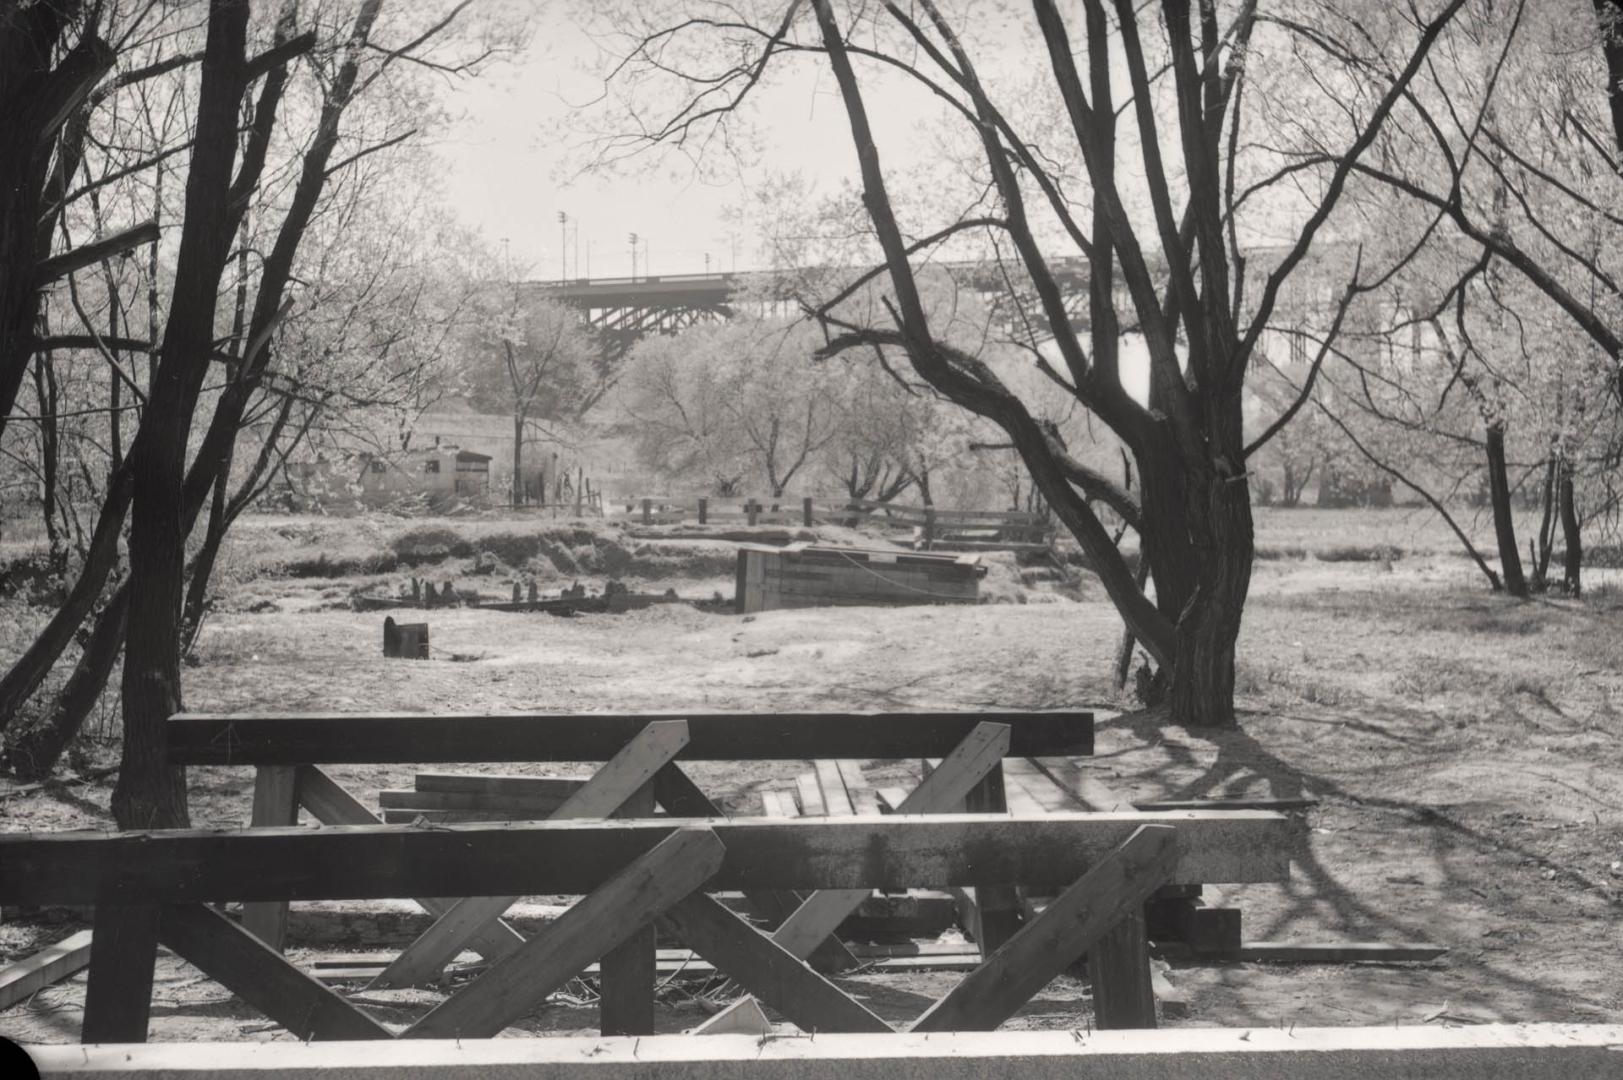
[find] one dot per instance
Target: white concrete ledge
(1562, 1051)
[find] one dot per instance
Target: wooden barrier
(806, 575)
(150, 887)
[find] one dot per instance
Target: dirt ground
(1466, 752)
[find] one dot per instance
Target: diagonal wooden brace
(248, 967)
(765, 968)
(1079, 917)
(517, 984)
(940, 792)
(627, 773)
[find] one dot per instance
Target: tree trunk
(1504, 525)
(150, 793)
(1573, 560)
(36, 753)
(518, 462)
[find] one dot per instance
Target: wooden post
(806, 511)
(647, 511)
(1119, 969)
(626, 974)
(118, 996)
(996, 913)
(276, 803)
(704, 508)
(751, 510)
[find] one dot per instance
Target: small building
(805, 575)
(442, 474)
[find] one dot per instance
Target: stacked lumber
(439, 796)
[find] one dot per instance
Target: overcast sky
(510, 169)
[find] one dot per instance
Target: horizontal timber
(1483, 1052)
(894, 852)
(384, 738)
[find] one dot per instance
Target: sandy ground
(1465, 750)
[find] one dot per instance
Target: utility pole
(563, 245)
(633, 256)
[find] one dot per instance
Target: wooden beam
(618, 781)
(514, 806)
(1434, 1051)
(518, 983)
(943, 789)
(680, 796)
(894, 852)
(385, 738)
(253, 971)
(531, 787)
(1073, 922)
(997, 908)
(25, 978)
(1258, 803)
(764, 968)
(118, 995)
(626, 972)
(276, 802)
(330, 804)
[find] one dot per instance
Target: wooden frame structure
(155, 887)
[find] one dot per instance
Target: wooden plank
(625, 903)
(680, 797)
(742, 1017)
(384, 738)
(864, 800)
(1074, 921)
(997, 910)
(1119, 971)
(894, 852)
(811, 796)
(618, 781)
(276, 802)
(766, 969)
(331, 804)
(512, 805)
(118, 995)
(559, 787)
(832, 786)
(626, 979)
(1028, 776)
(779, 804)
(256, 973)
(692, 966)
(945, 787)
(25, 978)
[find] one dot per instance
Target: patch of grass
(1360, 553)
(430, 543)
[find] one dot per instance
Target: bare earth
(1466, 753)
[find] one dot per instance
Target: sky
(512, 163)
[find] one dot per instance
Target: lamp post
(633, 256)
(563, 245)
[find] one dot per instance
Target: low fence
(967, 529)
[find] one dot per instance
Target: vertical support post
(751, 510)
(704, 510)
(806, 511)
(627, 972)
(648, 511)
(1119, 969)
(118, 995)
(276, 803)
(996, 915)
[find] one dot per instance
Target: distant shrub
(1360, 553)
(1289, 551)
(430, 543)
(324, 567)
(514, 549)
